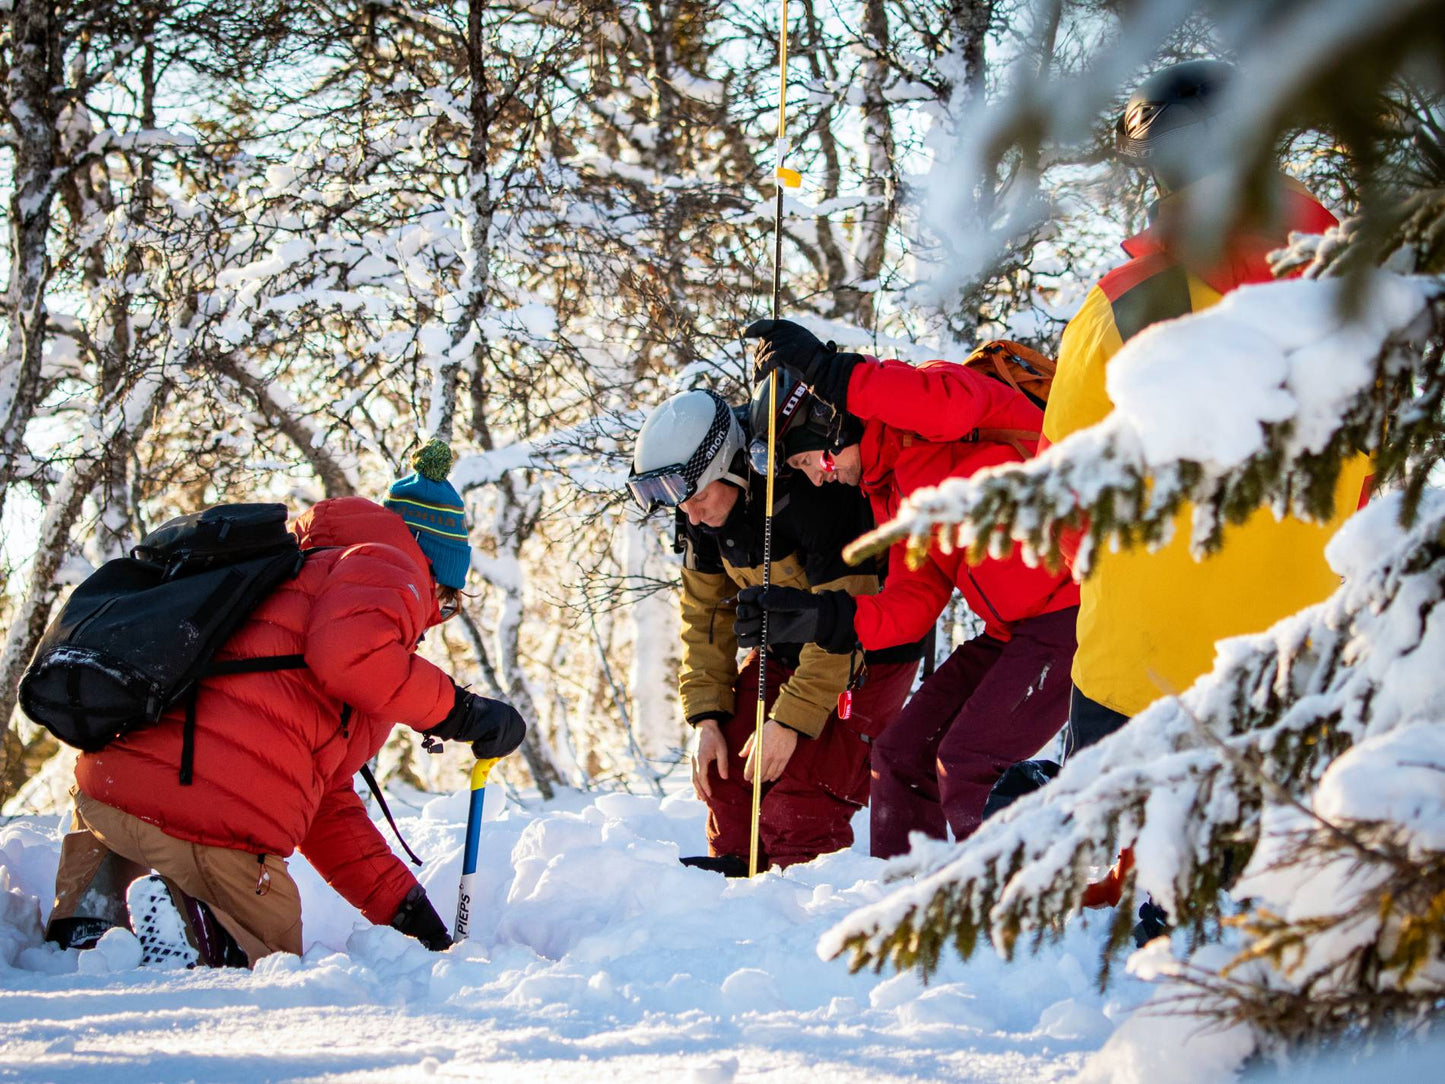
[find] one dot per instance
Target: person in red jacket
(892, 428)
(274, 752)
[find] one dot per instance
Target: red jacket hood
(351, 521)
(918, 428)
(937, 402)
(1244, 258)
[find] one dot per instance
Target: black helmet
(804, 422)
(1148, 132)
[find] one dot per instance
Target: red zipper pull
(845, 703)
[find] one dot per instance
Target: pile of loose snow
(594, 955)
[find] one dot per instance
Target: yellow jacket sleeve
(709, 647)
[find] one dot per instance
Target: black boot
(1153, 922)
(78, 933)
(729, 865)
(100, 905)
(1019, 779)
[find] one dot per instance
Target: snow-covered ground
(595, 957)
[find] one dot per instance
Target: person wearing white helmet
(691, 456)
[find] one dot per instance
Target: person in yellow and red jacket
(690, 454)
(1148, 621)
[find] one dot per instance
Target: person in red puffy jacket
(274, 752)
(892, 428)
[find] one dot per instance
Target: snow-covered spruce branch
(1258, 400)
(1346, 908)
(1372, 958)
(1284, 703)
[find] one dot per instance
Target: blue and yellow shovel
(480, 770)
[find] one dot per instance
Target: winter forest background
(258, 250)
(262, 250)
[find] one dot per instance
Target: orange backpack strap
(1020, 367)
(1018, 439)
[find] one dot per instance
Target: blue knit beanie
(435, 513)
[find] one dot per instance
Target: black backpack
(138, 635)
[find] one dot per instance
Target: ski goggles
(664, 487)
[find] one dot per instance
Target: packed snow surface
(596, 956)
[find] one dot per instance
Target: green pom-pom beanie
(434, 512)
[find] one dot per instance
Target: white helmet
(686, 444)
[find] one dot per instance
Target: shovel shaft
(480, 771)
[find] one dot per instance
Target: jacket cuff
(698, 698)
(796, 713)
(446, 728)
(704, 716)
(800, 728)
(796, 730)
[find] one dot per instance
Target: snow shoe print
(175, 930)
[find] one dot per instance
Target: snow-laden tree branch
(1190, 781)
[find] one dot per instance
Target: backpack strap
(386, 812)
(1008, 361)
(221, 669)
(1015, 438)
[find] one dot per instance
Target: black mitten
(824, 618)
(416, 917)
(493, 728)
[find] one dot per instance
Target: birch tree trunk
(832, 258)
(655, 636)
(969, 22)
(512, 521)
(19, 758)
(34, 70)
(880, 183)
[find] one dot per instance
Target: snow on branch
(1257, 400)
(1193, 782)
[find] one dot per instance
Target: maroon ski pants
(806, 811)
(992, 704)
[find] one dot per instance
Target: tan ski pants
(252, 896)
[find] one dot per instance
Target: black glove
(416, 917)
(493, 728)
(824, 618)
(784, 344)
